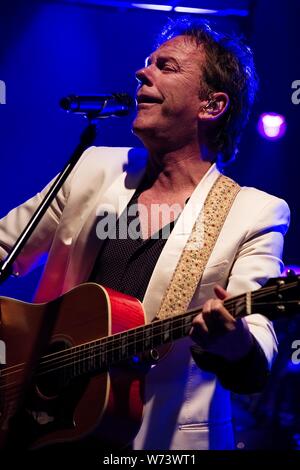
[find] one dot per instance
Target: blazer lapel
(175, 244)
(113, 200)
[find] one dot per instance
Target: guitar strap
(195, 255)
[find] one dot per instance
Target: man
(193, 100)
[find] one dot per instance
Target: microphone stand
(86, 139)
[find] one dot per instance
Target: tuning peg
(290, 272)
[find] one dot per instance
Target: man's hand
(215, 330)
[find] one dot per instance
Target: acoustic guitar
(74, 366)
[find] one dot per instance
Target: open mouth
(147, 99)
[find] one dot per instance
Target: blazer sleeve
(259, 257)
(40, 241)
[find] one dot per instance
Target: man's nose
(143, 76)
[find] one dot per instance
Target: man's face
(168, 97)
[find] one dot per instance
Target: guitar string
(86, 353)
(65, 363)
(71, 352)
(12, 394)
(82, 359)
(54, 355)
(228, 304)
(78, 349)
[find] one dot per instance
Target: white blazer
(186, 408)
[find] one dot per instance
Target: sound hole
(55, 371)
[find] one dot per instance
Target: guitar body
(69, 368)
(43, 409)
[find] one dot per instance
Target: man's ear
(214, 107)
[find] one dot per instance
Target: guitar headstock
(280, 297)
(284, 280)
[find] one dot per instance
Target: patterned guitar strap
(193, 259)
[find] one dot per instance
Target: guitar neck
(132, 342)
(268, 301)
(111, 350)
(102, 353)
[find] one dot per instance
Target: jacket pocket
(205, 436)
(203, 425)
(194, 427)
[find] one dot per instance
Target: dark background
(49, 49)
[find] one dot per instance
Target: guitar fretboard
(102, 353)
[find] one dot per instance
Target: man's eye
(168, 68)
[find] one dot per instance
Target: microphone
(98, 106)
